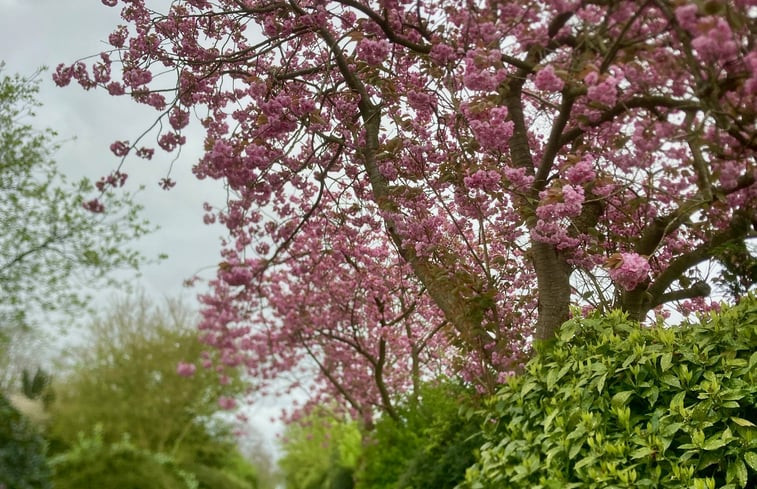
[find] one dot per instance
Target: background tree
(464, 171)
(139, 376)
(430, 444)
(55, 245)
(321, 451)
(23, 461)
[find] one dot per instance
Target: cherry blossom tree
(425, 186)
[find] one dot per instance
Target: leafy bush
(320, 452)
(613, 404)
(22, 451)
(430, 445)
(93, 463)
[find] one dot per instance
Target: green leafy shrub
(320, 452)
(93, 463)
(615, 405)
(429, 446)
(23, 464)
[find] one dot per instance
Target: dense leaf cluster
(429, 445)
(94, 463)
(616, 405)
(22, 451)
(426, 445)
(150, 423)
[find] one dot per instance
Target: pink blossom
(487, 181)
(717, 44)
(604, 92)
(115, 88)
(547, 80)
(442, 54)
(581, 173)
(561, 202)
(686, 15)
(482, 72)
(118, 37)
(63, 75)
(373, 52)
(186, 369)
(110, 3)
(628, 269)
(120, 148)
(146, 153)
(170, 140)
(94, 206)
(227, 403)
(491, 129)
(136, 77)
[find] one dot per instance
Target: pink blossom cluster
(373, 51)
(601, 90)
(120, 148)
(750, 85)
(171, 140)
(546, 79)
(483, 71)
(186, 369)
(554, 233)
(442, 54)
(486, 180)
(559, 203)
(581, 172)
(628, 270)
(178, 118)
(94, 206)
(114, 180)
(716, 44)
(490, 127)
(519, 178)
(137, 77)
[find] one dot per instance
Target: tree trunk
(553, 279)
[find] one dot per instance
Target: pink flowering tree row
(421, 187)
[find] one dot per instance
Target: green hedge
(429, 446)
(616, 405)
(23, 464)
(91, 463)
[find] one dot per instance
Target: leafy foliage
(613, 404)
(429, 445)
(126, 380)
(23, 464)
(91, 462)
(126, 383)
(52, 249)
(321, 451)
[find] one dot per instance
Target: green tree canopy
(125, 378)
(125, 382)
(321, 451)
(53, 247)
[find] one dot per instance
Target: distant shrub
(616, 405)
(429, 446)
(92, 463)
(23, 464)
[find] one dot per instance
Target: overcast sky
(36, 33)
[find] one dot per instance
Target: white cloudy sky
(36, 33)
